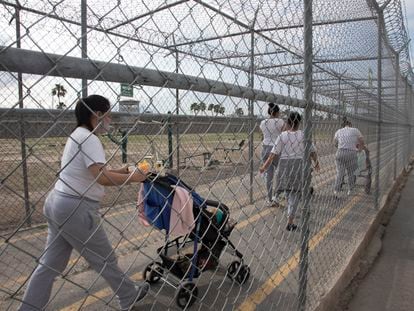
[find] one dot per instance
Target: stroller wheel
(186, 295)
(238, 272)
(153, 272)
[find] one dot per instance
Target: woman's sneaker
(142, 290)
(291, 227)
(272, 203)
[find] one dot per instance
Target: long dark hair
(88, 106)
(294, 119)
(273, 109)
(346, 122)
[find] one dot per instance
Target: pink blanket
(181, 217)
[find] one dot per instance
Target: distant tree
(239, 112)
(202, 106)
(195, 107)
(216, 109)
(222, 110)
(211, 108)
(59, 91)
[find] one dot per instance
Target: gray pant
(293, 200)
(270, 173)
(74, 223)
(346, 162)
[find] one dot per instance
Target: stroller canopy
(158, 198)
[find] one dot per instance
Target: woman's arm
(106, 177)
(267, 163)
(121, 170)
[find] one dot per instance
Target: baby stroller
(206, 240)
(365, 169)
(363, 174)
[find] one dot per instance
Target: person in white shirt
(348, 139)
(289, 149)
(72, 211)
(271, 129)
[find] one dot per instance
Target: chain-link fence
(189, 84)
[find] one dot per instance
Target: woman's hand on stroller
(139, 176)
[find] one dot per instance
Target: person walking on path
(71, 209)
(348, 140)
(271, 129)
(289, 149)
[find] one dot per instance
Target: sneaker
(142, 290)
(275, 204)
(291, 227)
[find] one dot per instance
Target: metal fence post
(379, 112)
(170, 141)
(306, 196)
(406, 131)
(251, 112)
(124, 145)
(22, 129)
(84, 41)
(339, 100)
(177, 112)
(410, 145)
(397, 76)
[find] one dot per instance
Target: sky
(51, 41)
(409, 7)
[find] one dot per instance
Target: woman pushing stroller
(72, 212)
(289, 148)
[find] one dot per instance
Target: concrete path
(389, 286)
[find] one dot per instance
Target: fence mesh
(189, 84)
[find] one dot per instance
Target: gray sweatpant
(346, 162)
(270, 173)
(293, 200)
(74, 223)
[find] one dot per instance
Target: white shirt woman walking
(348, 139)
(71, 209)
(271, 129)
(289, 149)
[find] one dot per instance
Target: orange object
(144, 166)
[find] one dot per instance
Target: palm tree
(216, 109)
(202, 106)
(59, 91)
(222, 110)
(195, 108)
(211, 108)
(239, 112)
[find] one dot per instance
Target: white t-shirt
(82, 149)
(347, 138)
(290, 145)
(271, 129)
